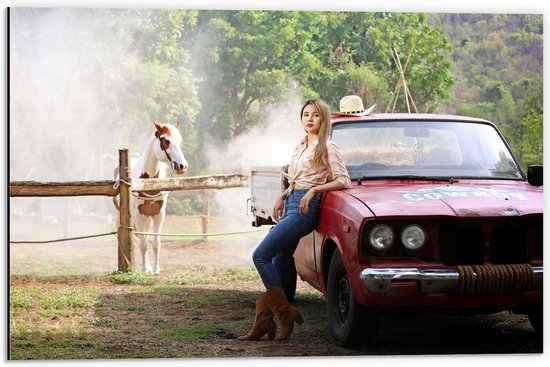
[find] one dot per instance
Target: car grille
(503, 242)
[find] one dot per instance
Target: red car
(439, 215)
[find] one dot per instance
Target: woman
(313, 161)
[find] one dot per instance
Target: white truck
(266, 182)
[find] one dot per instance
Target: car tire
(351, 324)
(289, 283)
(535, 315)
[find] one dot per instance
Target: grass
(199, 300)
(225, 276)
(66, 302)
(109, 315)
(72, 297)
(22, 298)
(58, 346)
(51, 323)
(131, 278)
(184, 333)
(100, 317)
(55, 299)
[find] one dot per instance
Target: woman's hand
(304, 203)
(278, 208)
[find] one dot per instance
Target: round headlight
(381, 237)
(413, 237)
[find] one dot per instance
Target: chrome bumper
(380, 280)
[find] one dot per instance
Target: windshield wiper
(410, 177)
(505, 173)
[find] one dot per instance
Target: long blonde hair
(324, 130)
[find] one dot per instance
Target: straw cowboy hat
(353, 105)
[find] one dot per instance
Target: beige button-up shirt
(302, 172)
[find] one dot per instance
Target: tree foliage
(379, 35)
(248, 59)
(497, 72)
(216, 71)
(252, 58)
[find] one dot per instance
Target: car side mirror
(534, 175)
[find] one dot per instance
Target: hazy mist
(65, 71)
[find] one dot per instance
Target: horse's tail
(115, 198)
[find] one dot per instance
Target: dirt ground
(232, 308)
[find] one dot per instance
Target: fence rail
(107, 188)
(123, 188)
(71, 188)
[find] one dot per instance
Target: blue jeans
(274, 253)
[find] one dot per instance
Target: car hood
(488, 199)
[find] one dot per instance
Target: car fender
(340, 226)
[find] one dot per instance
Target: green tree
(252, 58)
(248, 60)
(159, 83)
(118, 69)
(427, 73)
(358, 58)
(497, 68)
(532, 139)
(340, 36)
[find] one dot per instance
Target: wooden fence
(124, 188)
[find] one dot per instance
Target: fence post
(125, 236)
(205, 214)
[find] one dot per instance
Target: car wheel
(534, 313)
(289, 283)
(351, 324)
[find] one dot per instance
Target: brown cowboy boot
(287, 314)
(263, 324)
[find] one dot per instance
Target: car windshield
(424, 149)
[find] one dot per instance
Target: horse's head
(168, 149)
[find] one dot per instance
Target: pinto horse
(148, 208)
